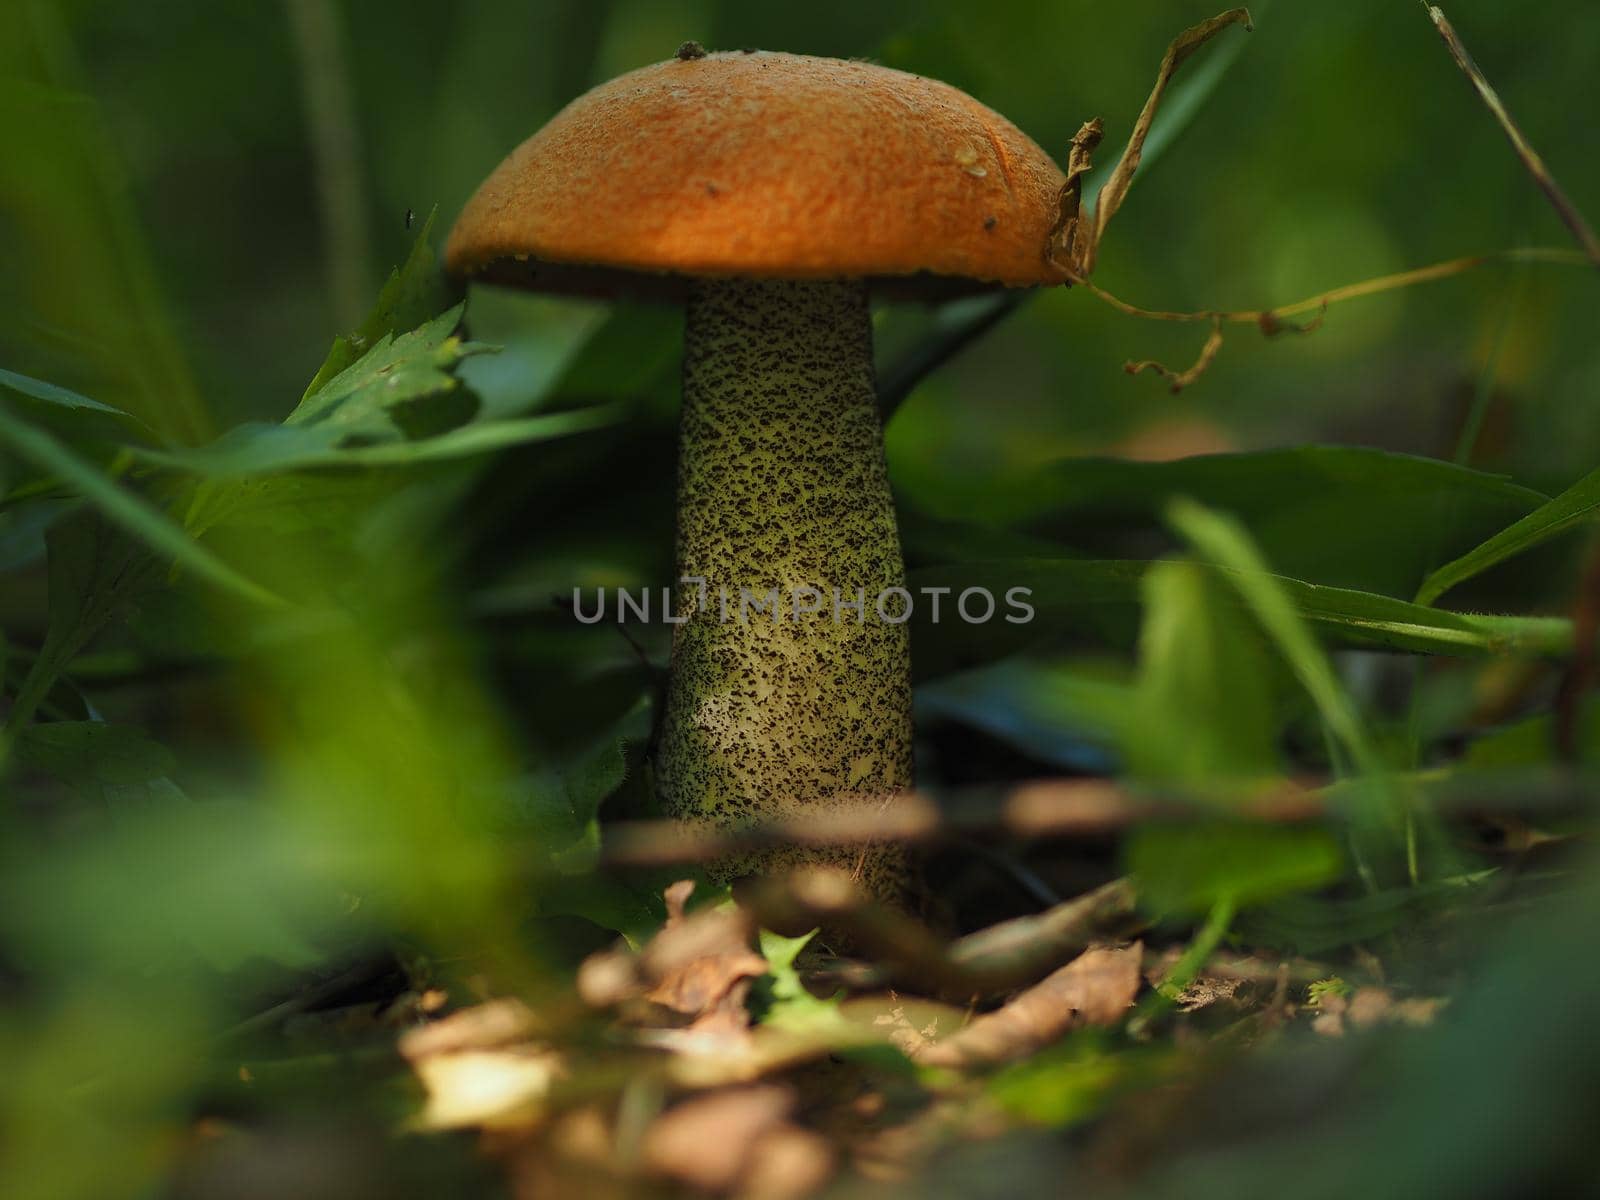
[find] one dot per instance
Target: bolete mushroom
(771, 194)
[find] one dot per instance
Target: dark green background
(1342, 143)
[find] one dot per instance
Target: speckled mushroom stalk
(782, 486)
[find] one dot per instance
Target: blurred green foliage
(287, 676)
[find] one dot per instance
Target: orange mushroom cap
(763, 165)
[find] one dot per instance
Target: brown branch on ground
(987, 963)
(1565, 208)
(1096, 988)
(1043, 808)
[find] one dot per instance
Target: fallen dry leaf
(1371, 1006)
(708, 1141)
(695, 972)
(787, 1162)
(1096, 988)
(479, 1067)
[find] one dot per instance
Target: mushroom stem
(804, 705)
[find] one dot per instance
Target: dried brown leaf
(1096, 988)
(789, 1162)
(696, 971)
(480, 1067)
(708, 1141)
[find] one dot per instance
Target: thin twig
(1081, 808)
(1059, 807)
(1269, 318)
(1565, 208)
(989, 962)
(1273, 321)
(1085, 250)
(1011, 953)
(1189, 964)
(1182, 379)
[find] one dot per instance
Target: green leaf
(177, 888)
(1531, 742)
(1380, 819)
(1070, 715)
(94, 751)
(415, 293)
(560, 806)
(1572, 507)
(1346, 516)
(786, 1004)
(77, 269)
(362, 418)
(485, 437)
(94, 571)
(22, 531)
(1220, 538)
(254, 450)
(1068, 1082)
(61, 397)
(1186, 869)
(1206, 700)
(127, 509)
(1314, 925)
(1099, 599)
(633, 356)
(398, 370)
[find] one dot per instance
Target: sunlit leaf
(783, 1000)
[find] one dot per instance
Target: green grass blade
(1222, 540)
(61, 397)
(1099, 598)
(132, 512)
(1572, 507)
(486, 437)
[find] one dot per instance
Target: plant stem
(1194, 959)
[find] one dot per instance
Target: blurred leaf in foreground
(1187, 869)
(1207, 700)
(95, 570)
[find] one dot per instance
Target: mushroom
(770, 194)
